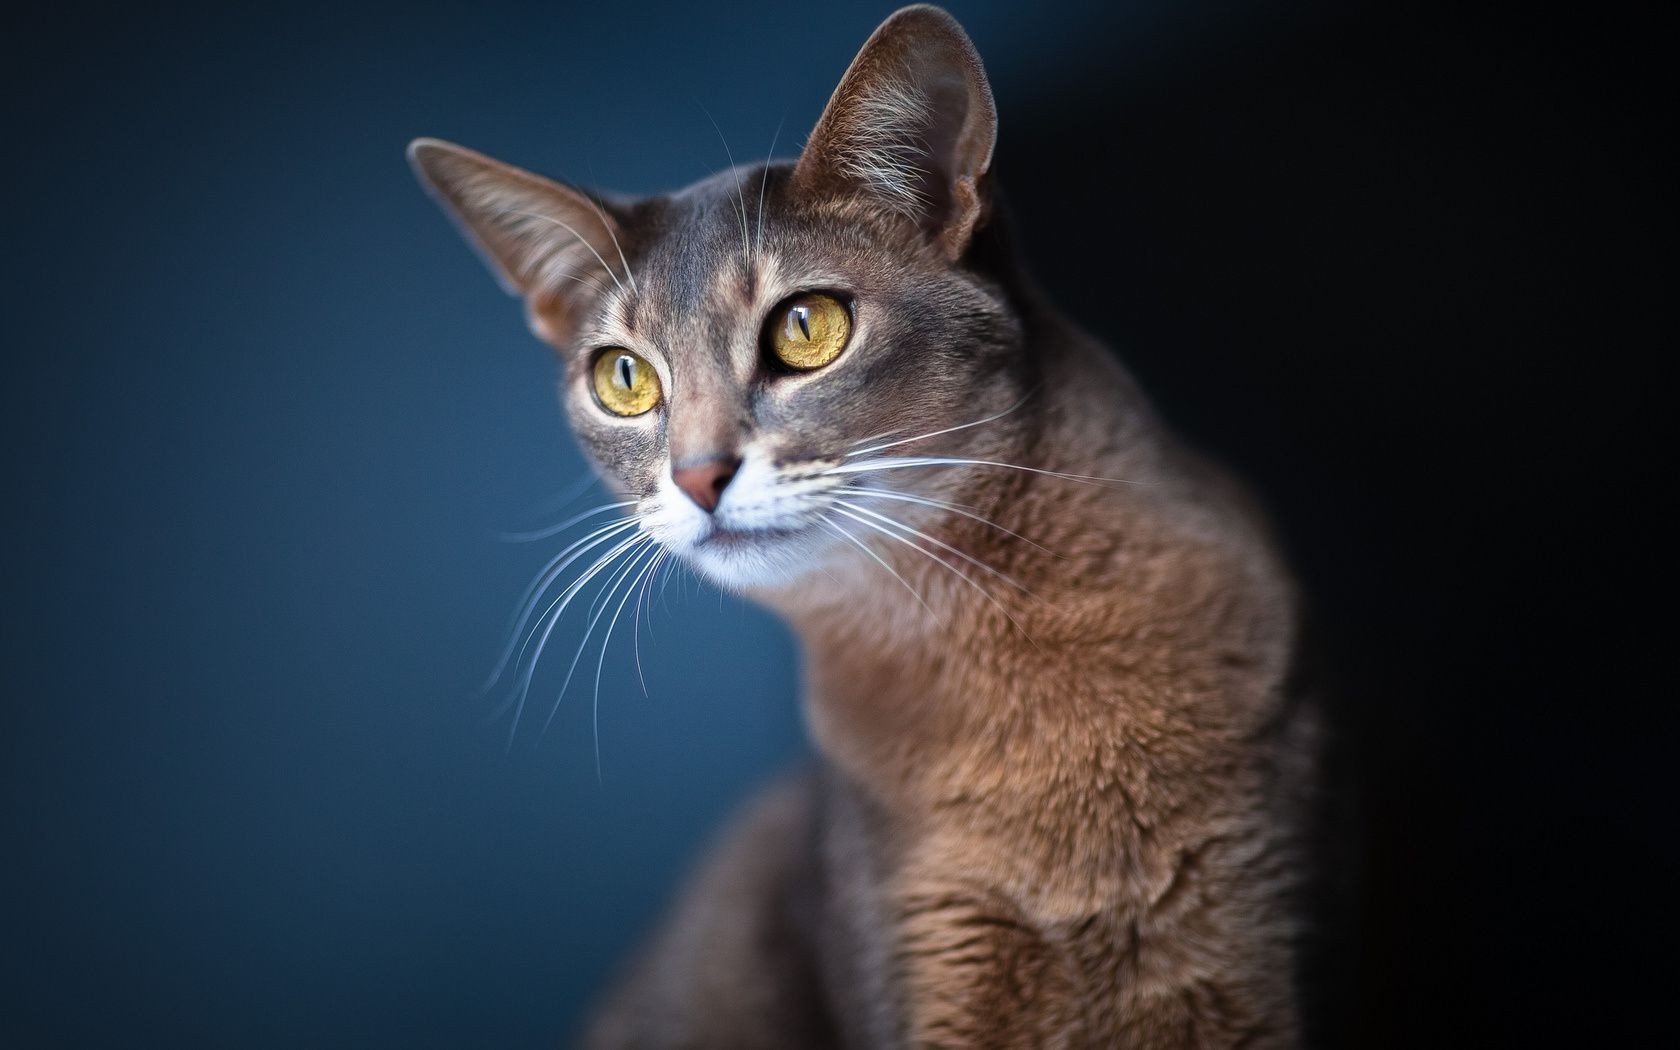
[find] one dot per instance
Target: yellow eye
(624, 383)
(810, 330)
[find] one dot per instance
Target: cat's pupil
(802, 317)
(626, 372)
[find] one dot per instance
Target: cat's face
(728, 387)
(737, 355)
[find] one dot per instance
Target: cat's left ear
(910, 128)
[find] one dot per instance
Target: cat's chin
(756, 560)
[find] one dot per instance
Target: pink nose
(705, 483)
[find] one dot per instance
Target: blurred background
(265, 416)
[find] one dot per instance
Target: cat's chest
(974, 967)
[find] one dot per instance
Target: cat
(1047, 649)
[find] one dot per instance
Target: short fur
(1058, 814)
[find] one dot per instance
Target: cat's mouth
(737, 537)
(762, 532)
(759, 555)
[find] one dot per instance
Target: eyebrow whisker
(580, 239)
(764, 180)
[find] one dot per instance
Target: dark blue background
(275, 413)
(265, 414)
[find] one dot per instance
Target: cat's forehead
(700, 245)
(719, 253)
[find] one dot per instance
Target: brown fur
(1055, 816)
(1085, 837)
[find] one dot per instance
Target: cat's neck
(981, 700)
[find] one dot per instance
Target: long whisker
(878, 436)
(599, 602)
(556, 565)
(636, 619)
(545, 578)
(764, 180)
(673, 570)
(835, 527)
(947, 430)
(924, 537)
(614, 535)
(584, 279)
(608, 223)
(949, 567)
(901, 462)
(565, 497)
(746, 246)
(939, 504)
(618, 576)
(540, 634)
(550, 619)
(601, 661)
(544, 533)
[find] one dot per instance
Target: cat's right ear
(542, 240)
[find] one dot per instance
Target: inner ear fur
(911, 128)
(548, 242)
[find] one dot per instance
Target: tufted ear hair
(910, 128)
(542, 240)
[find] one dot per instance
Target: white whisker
(608, 223)
(550, 619)
(947, 566)
(860, 545)
(764, 180)
(939, 504)
(583, 279)
(947, 430)
(628, 564)
(672, 569)
(601, 661)
(544, 533)
(746, 245)
(564, 498)
(580, 239)
(636, 618)
(550, 572)
(901, 462)
(919, 534)
(877, 436)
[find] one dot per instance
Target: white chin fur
(790, 544)
(772, 562)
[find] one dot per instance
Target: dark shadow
(1374, 261)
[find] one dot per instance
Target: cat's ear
(910, 128)
(545, 241)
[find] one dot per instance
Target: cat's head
(739, 354)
